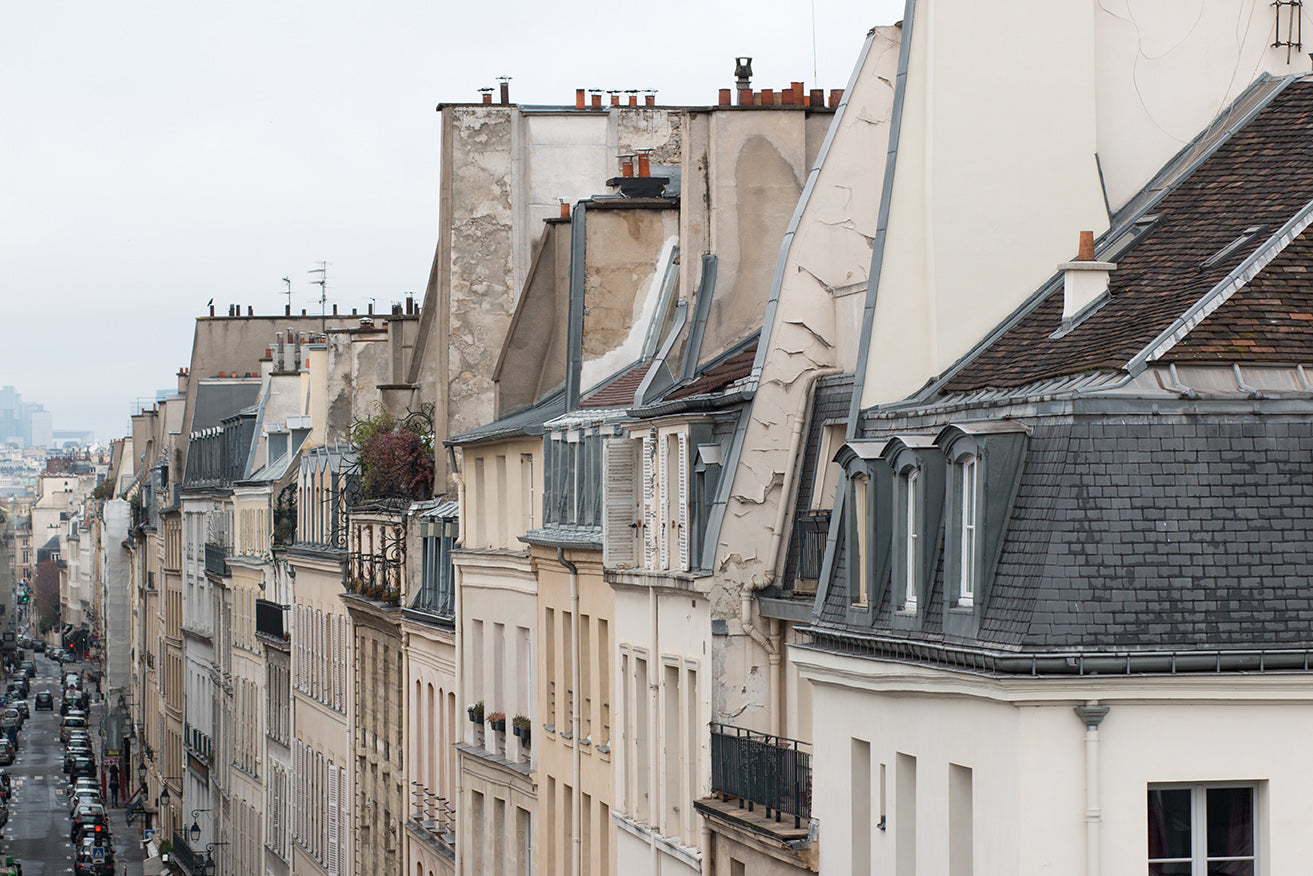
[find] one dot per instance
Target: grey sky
(155, 155)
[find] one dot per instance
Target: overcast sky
(155, 155)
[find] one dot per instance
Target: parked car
(89, 818)
(45, 700)
(67, 725)
(87, 860)
(12, 714)
(7, 752)
(82, 766)
(84, 796)
(21, 705)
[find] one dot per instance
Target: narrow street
(37, 835)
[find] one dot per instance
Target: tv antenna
(322, 283)
(288, 281)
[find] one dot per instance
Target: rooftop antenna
(322, 283)
(288, 281)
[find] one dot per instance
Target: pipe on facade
(1091, 715)
(576, 798)
(769, 645)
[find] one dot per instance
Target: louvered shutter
(681, 492)
(619, 504)
(337, 662)
(333, 789)
(667, 506)
(649, 501)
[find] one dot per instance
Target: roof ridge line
(1215, 297)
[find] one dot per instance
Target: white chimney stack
(1084, 281)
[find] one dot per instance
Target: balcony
(757, 769)
(812, 529)
(433, 819)
(189, 861)
(271, 620)
(375, 576)
(216, 559)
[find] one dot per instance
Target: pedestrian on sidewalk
(114, 790)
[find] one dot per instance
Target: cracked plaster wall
(817, 320)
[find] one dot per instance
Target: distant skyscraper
(23, 423)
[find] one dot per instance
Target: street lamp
(209, 858)
(195, 829)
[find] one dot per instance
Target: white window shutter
(667, 509)
(333, 789)
(619, 504)
(650, 516)
(337, 661)
(681, 492)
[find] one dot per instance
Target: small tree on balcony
(395, 456)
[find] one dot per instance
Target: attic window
(1129, 237)
(1231, 248)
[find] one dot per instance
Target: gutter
(1181, 661)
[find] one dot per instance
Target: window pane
(1174, 868)
(1230, 823)
(1231, 868)
(1169, 826)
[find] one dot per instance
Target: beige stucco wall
(995, 177)
(495, 588)
(1027, 752)
(1161, 76)
(553, 752)
(495, 511)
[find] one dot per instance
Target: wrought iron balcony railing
(760, 769)
(216, 559)
(271, 620)
(374, 575)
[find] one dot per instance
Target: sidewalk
(128, 852)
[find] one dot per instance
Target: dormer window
(909, 514)
(659, 489)
(916, 510)
(968, 487)
(862, 528)
(985, 462)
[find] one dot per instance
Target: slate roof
(1180, 532)
(1262, 175)
(619, 389)
(526, 421)
(718, 375)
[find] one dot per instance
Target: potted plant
(497, 720)
(476, 712)
(520, 727)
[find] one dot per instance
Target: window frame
(1199, 858)
(916, 506)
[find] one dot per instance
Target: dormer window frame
(966, 471)
(988, 456)
(865, 529)
(916, 508)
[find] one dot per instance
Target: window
(1199, 830)
(861, 578)
(909, 513)
(966, 592)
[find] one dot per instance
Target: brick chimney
(1084, 280)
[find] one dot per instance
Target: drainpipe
(576, 798)
(1092, 715)
(655, 677)
(772, 649)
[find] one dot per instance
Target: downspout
(576, 798)
(768, 644)
(1092, 715)
(459, 607)
(655, 726)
